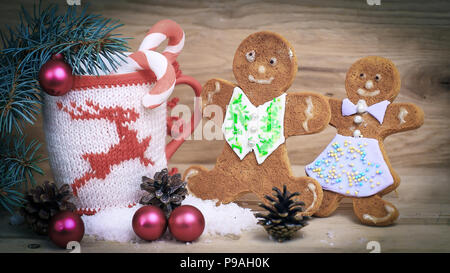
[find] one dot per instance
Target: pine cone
(164, 191)
(43, 202)
(281, 221)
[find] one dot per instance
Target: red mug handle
(174, 144)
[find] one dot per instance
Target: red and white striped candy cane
(161, 64)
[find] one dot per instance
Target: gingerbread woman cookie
(259, 117)
(355, 164)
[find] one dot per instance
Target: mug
(101, 139)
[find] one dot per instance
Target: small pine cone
(43, 202)
(164, 191)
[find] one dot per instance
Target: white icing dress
(353, 166)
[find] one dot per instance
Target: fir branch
(20, 160)
(86, 40)
(9, 196)
(19, 96)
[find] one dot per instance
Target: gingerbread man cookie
(355, 164)
(259, 117)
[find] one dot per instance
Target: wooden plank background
(328, 37)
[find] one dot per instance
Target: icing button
(251, 143)
(253, 129)
(253, 116)
(361, 107)
(357, 133)
(357, 119)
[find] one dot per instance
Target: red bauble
(149, 223)
(64, 227)
(55, 76)
(186, 223)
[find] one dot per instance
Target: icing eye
(362, 76)
(377, 77)
(250, 56)
(273, 61)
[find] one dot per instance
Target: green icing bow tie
(249, 128)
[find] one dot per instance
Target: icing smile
(260, 81)
(366, 93)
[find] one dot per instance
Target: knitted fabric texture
(101, 140)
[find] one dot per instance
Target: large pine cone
(164, 191)
(43, 202)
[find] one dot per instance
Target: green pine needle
(20, 159)
(9, 196)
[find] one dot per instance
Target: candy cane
(161, 64)
(161, 31)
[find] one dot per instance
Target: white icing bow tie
(377, 110)
(248, 128)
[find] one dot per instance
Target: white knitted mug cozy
(110, 130)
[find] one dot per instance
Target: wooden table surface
(328, 37)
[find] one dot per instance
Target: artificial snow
(330, 234)
(114, 224)
(224, 219)
(111, 224)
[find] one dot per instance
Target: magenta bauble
(55, 76)
(186, 223)
(149, 223)
(64, 227)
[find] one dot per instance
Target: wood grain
(328, 36)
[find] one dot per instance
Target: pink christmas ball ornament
(149, 223)
(55, 76)
(186, 223)
(65, 227)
